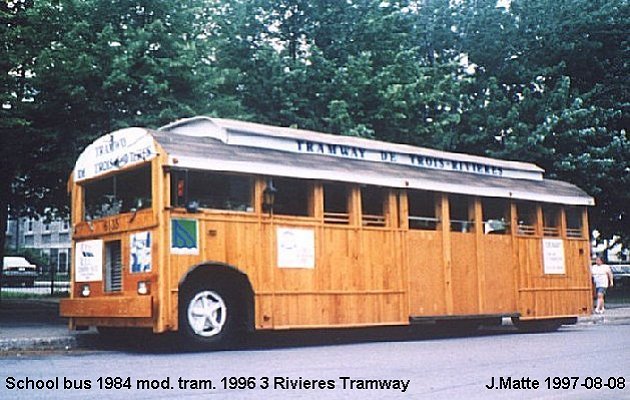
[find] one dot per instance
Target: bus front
(115, 235)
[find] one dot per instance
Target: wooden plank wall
(542, 295)
(384, 275)
(486, 288)
(358, 278)
(427, 290)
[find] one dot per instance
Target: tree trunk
(5, 186)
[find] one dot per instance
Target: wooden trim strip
(555, 289)
(332, 293)
(120, 307)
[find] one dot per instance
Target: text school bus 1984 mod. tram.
(215, 227)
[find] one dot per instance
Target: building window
(460, 212)
(373, 204)
(63, 262)
(293, 197)
(336, 198)
(496, 216)
(212, 190)
(65, 226)
(29, 225)
(422, 210)
(551, 220)
(574, 222)
(526, 216)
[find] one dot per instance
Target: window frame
(184, 174)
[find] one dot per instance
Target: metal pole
(52, 279)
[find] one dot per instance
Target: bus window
(551, 220)
(496, 216)
(422, 210)
(373, 205)
(212, 190)
(526, 216)
(293, 197)
(461, 217)
(574, 222)
(336, 197)
(121, 193)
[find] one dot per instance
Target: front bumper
(108, 307)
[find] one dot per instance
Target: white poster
(553, 256)
(89, 261)
(140, 252)
(296, 248)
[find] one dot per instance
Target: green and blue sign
(184, 236)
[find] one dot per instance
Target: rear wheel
(208, 316)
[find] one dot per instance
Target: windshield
(126, 191)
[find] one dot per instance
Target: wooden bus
(214, 227)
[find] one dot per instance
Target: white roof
(234, 146)
(10, 261)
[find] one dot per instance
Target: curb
(32, 344)
(53, 343)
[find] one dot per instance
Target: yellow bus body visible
(351, 269)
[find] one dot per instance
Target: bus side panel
(427, 288)
(356, 281)
(237, 241)
(548, 295)
(499, 263)
(464, 274)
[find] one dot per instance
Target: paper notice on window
(553, 256)
(89, 261)
(296, 248)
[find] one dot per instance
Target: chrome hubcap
(207, 313)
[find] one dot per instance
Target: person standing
(603, 279)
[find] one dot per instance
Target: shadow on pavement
(146, 342)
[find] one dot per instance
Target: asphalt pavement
(35, 325)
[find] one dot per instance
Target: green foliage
(539, 81)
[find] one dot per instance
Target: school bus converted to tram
(213, 227)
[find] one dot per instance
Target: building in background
(48, 239)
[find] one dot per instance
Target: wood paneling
(499, 264)
(362, 275)
(426, 273)
(133, 307)
(464, 274)
(544, 295)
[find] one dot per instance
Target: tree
(77, 69)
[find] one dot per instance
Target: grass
(13, 294)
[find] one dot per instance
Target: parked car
(621, 274)
(18, 271)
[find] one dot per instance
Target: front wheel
(207, 317)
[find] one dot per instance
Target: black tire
(209, 315)
(537, 326)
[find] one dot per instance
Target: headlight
(85, 290)
(144, 287)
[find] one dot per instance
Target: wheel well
(229, 276)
